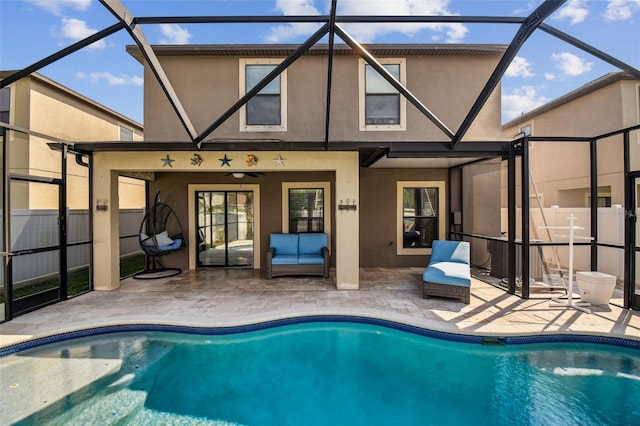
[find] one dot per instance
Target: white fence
(33, 229)
(610, 231)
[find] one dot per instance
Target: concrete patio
(225, 297)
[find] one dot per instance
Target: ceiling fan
(240, 175)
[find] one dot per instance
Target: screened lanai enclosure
(537, 203)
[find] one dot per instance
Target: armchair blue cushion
(449, 272)
(451, 251)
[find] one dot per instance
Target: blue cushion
(285, 259)
(284, 243)
(312, 243)
(450, 251)
(151, 249)
(450, 273)
(310, 259)
(174, 245)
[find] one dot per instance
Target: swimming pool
(316, 372)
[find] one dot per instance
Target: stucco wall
(378, 215)
(208, 86)
(481, 205)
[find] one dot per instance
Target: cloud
(525, 9)
(519, 101)
(451, 32)
(621, 10)
(519, 67)
(174, 34)
(76, 30)
(112, 80)
(55, 7)
(575, 10)
(570, 64)
(289, 32)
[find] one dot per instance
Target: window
(603, 198)
(306, 210)
(5, 102)
(266, 111)
(526, 130)
(637, 132)
(382, 107)
(304, 207)
(126, 134)
(420, 216)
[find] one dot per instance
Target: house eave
(283, 50)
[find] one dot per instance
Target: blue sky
(544, 69)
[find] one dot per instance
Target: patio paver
(219, 297)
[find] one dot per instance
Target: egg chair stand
(160, 234)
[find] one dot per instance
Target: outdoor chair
(160, 234)
(448, 273)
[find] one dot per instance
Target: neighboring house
(378, 206)
(48, 108)
(560, 170)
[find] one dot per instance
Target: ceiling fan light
(237, 175)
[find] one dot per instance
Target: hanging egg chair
(160, 234)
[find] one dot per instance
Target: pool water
(346, 374)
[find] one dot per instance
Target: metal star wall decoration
(196, 160)
(167, 161)
(279, 161)
(225, 161)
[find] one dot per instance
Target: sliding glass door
(225, 228)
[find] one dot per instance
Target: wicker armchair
(298, 254)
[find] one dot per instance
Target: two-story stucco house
(54, 111)
(604, 105)
(275, 165)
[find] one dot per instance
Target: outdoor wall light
(102, 205)
(349, 205)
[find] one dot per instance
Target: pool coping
(495, 339)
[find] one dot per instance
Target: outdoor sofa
(298, 254)
(448, 273)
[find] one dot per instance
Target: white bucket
(595, 287)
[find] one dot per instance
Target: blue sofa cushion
(284, 244)
(310, 259)
(285, 259)
(312, 243)
(450, 251)
(449, 273)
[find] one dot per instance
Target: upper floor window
(126, 134)
(266, 111)
(382, 107)
(637, 132)
(5, 102)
